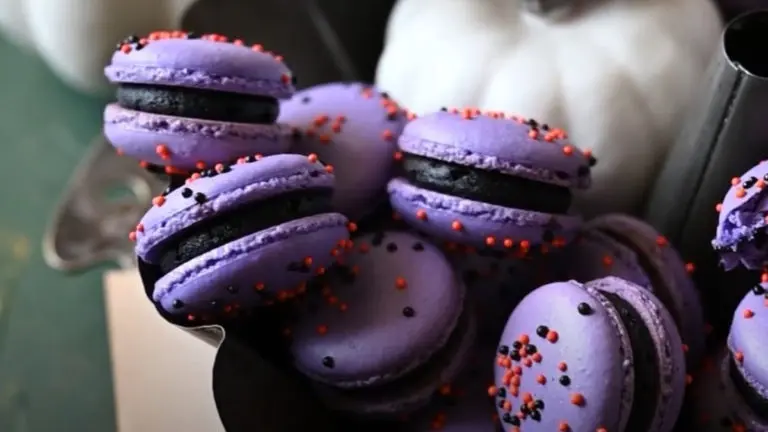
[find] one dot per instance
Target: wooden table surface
(54, 361)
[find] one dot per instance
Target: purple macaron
(590, 357)
(488, 180)
(354, 128)
(188, 102)
(741, 230)
(388, 330)
(746, 365)
(666, 274)
(247, 236)
(712, 403)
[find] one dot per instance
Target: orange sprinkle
(400, 283)
(387, 135)
(562, 366)
(563, 427)
(158, 200)
(607, 260)
(537, 357)
(312, 157)
(601, 429)
(525, 244)
(343, 307)
(552, 336)
(688, 379)
(456, 226)
(577, 399)
(329, 169)
(748, 313)
(735, 181)
(541, 379)
(352, 227)
(690, 267)
(132, 236)
(527, 398)
(322, 329)
(508, 243)
(524, 339)
(507, 406)
(398, 156)
(445, 389)
(490, 241)
(718, 207)
(140, 228)
(740, 193)
(685, 348)
(567, 150)
(421, 215)
(738, 356)
(493, 391)
(661, 241)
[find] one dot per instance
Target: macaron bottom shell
(413, 390)
(261, 268)
(184, 142)
(743, 396)
(476, 223)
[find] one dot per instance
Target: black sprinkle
(542, 331)
(418, 247)
(531, 349)
(391, 247)
(446, 109)
(565, 380)
(539, 404)
(503, 350)
(384, 95)
(517, 345)
(408, 312)
(545, 127)
(501, 403)
(186, 192)
(178, 304)
(294, 80)
(502, 392)
(192, 35)
(329, 362)
(584, 309)
(305, 100)
(536, 416)
(748, 183)
(758, 289)
(232, 290)
(200, 198)
(514, 355)
(524, 409)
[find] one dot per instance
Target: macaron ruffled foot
(743, 221)
(251, 235)
(488, 180)
(186, 102)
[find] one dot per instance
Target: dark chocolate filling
(239, 222)
(646, 368)
(652, 271)
(490, 187)
(198, 104)
(757, 403)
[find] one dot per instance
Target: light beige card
(162, 375)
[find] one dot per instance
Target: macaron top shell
(397, 307)
(352, 127)
(202, 64)
(497, 143)
(748, 338)
(742, 215)
(236, 185)
(593, 255)
(569, 339)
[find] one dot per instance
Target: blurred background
(54, 359)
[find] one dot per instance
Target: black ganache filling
(645, 364)
(241, 221)
(756, 403)
(490, 187)
(198, 104)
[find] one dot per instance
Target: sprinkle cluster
(521, 357)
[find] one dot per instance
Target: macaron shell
(354, 128)
(742, 413)
(496, 283)
(676, 288)
(203, 64)
(414, 391)
(243, 183)
(568, 367)
(497, 144)
(748, 337)
(390, 272)
(477, 221)
(669, 347)
(741, 218)
(593, 255)
(254, 269)
(710, 407)
(189, 141)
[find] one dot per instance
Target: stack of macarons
(430, 272)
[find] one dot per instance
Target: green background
(54, 360)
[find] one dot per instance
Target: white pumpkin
(618, 75)
(77, 37)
